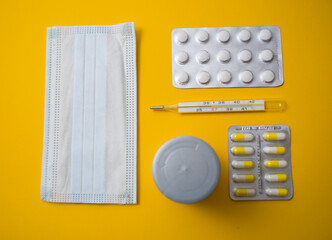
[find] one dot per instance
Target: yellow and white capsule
(245, 192)
(242, 137)
(274, 136)
(277, 192)
(242, 150)
(243, 177)
(275, 163)
(274, 150)
(242, 164)
(276, 177)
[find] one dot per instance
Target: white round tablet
(181, 57)
(265, 35)
(223, 36)
(246, 76)
(203, 77)
(245, 56)
(202, 56)
(267, 76)
(181, 37)
(266, 55)
(223, 56)
(181, 77)
(224, 76)
(244, 35)
(202, 36)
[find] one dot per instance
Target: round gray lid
(186, 169)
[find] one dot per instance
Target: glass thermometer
(225, 106)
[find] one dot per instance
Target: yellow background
(306, 43)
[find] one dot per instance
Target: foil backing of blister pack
(187, 50)
(260, 184)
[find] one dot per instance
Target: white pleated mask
(89, 152)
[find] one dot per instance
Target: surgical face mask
(89, 152)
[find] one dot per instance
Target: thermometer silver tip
(157, 108)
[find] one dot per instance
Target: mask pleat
(78, 114)
(89, 112)
(100, 116)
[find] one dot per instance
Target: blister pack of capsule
(225, 57)
(259, 158)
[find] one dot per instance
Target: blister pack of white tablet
(225, 57)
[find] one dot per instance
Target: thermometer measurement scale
(225, 106)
